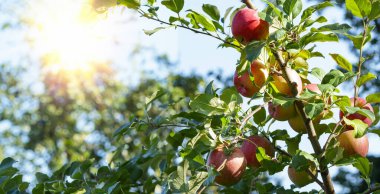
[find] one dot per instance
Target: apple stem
(249, 4)
(328, 185)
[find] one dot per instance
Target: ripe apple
(247, 26)
(361, 103)
(243, 83)
(250, 146)
(281, 113)
(352, 145)
(301, 178)
(230, 166)
(283, 87)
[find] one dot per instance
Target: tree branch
(328, 185)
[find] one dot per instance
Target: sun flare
(69, 35)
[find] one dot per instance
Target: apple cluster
(231, 163)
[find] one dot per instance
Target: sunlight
(69, 35)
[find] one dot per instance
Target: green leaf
(292, 7)
(336, 77)
(310, 22)
(199, 19)
(318, 72)
(196, 181)
(359, 8)
(318, 37)
(334, 153)
(277, 35)
(342, 62)
(151, 32)
(276, 10)
(253, 49)
(207, 104)
(363, 165)
(156, 95)
(365, 78)
(174, 5)
(336, 28)
(212, 11)
(373, 98)
(310, 10)
(367, 113)
(375, 11)
(301, 160)
(38, 189)
(133, 4)
(314, 109)
(231, 94)
(293, 144)
(359, 126)
(260, 117)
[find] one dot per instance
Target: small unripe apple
(247, 26)
(361, 103)
(301, 178)
(283, 87)
(352, 145)
(230, 166)
(249, 148)
(243, 83)
(281, 113)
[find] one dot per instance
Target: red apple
(243, 83)
(301, 178)
(352, 145)
(361, 103)
(247, 26)
(230, 166)
(281, 113)
(250, 146)
(283, 87)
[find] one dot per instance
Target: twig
(193, 30)
(245, 120)
(332, 135)
(360, 63)
(371, 189)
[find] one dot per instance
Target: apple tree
(275, 45)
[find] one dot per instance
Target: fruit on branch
(352, 145)
(230, 163)
(249, 148)
(281, 112)
(283, 87)
(243, 83)
(301, 178)
(247, 26)
(361, 103)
